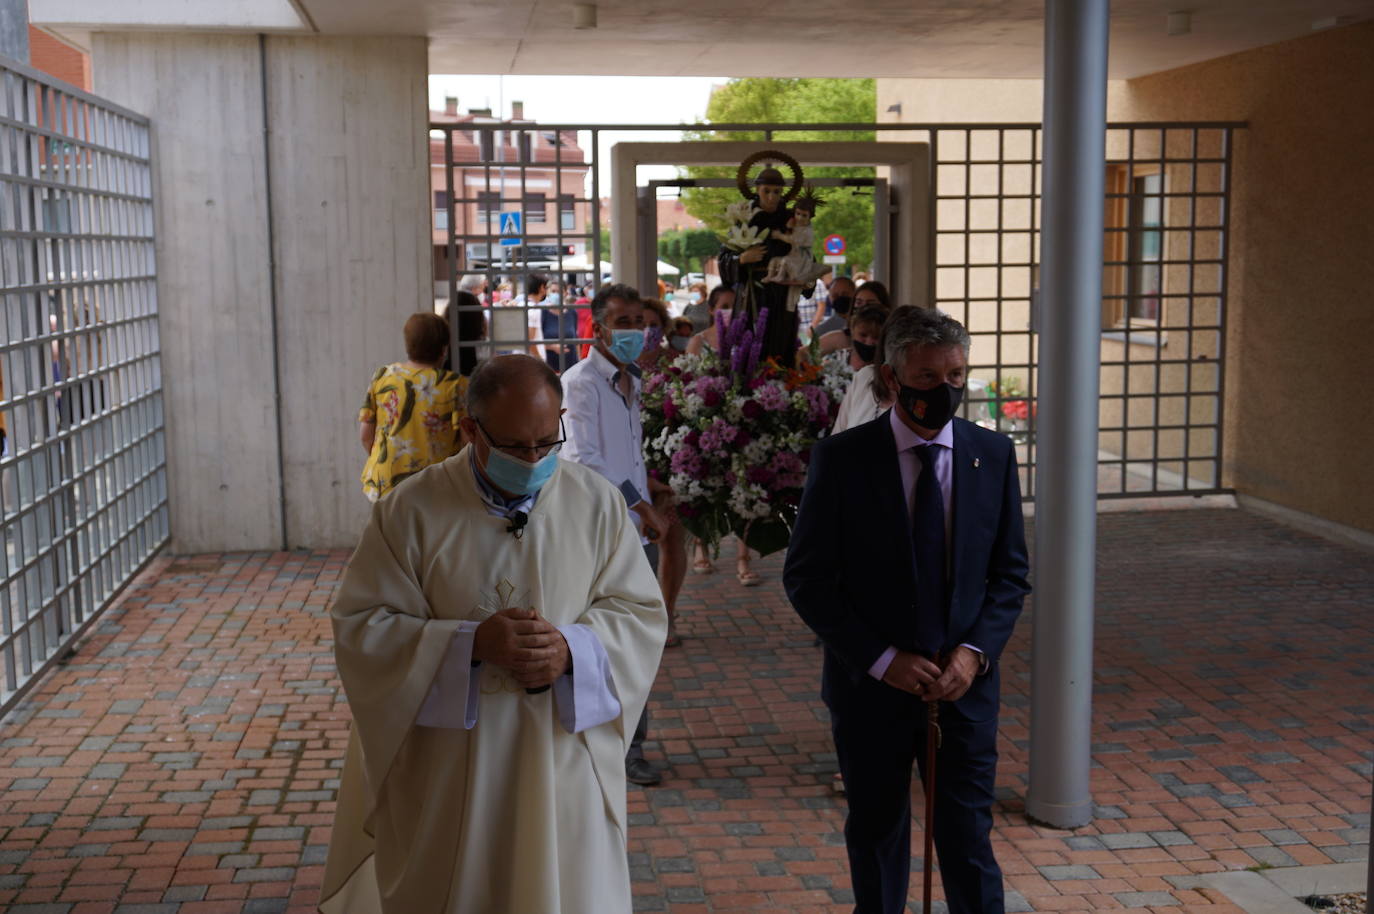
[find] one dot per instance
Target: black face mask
(930, 408)
(841, 303)
(865, 351)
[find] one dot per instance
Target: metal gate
(83, 495)
(1164, 271)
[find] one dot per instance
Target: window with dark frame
(534, 207)
(488, 206)
(1145, 270)
(567, 212)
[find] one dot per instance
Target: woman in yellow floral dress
(409, 419)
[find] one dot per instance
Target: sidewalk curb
(1275, 891)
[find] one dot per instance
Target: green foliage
(688, 249)
(794, 101)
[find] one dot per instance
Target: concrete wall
(213, 281)
(349, 215)
(350, 176)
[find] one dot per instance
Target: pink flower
(684, 459)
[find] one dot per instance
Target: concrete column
(1070, 353)
(14, 29)
(333, 251)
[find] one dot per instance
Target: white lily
(743, 237)
(741, 212)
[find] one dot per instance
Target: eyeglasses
(525, 452)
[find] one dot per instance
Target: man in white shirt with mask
(602, 397)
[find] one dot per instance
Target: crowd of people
(518, 546)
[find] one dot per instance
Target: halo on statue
(769, 155)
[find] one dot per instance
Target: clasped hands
(921, 676)
(525, 643)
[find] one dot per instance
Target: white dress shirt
(909, 461)
(604, 428)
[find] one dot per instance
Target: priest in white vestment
(496, 628)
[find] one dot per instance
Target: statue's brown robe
(515, 814)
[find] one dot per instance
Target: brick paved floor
(185, 759)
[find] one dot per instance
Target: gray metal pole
(1070, 341)
(14, 29)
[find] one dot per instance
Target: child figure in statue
(798, 266)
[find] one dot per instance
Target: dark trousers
(642, 729)
(876, 759)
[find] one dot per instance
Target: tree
(688, 249)
(847, 211)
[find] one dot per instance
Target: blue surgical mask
(517, 477)
(626, 345)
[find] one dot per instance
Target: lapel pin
(975, 463)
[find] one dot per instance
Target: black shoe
(639, 771)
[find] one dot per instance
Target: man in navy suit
(909, 561)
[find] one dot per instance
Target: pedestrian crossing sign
(510, 229)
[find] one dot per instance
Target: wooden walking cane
(932, 743)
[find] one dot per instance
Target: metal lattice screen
(83, 471)
(1164, 270)
(1163, 292)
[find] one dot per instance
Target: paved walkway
(185, 759)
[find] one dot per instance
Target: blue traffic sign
(834, 244)
(510, 229)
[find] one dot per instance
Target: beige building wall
(1299, 352)
(349, 234)
(1299, 263)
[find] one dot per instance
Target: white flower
(740, 213)
(692, 406)
(742, 237)
(754, 453)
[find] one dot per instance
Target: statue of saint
(763, 235)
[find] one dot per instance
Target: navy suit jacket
(851, 566)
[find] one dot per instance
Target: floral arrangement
(1008, 397)
(731, 433)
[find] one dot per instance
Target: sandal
(703, 566)
(837, 783)
(747, 578)
(673, 640)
